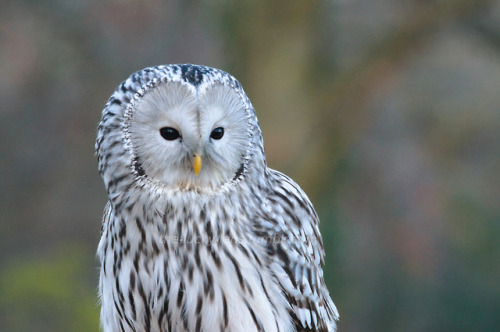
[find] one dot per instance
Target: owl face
(190, 136)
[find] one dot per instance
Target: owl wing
(289, 224)
(106, 216)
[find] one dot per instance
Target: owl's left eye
(169, 134)
(217, 133)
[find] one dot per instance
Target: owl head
(182, 127)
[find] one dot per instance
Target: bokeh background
(386, 112)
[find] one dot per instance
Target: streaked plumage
(233, 248)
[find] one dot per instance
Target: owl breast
(186, 267)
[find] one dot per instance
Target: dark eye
(217, 133)
(169, 134)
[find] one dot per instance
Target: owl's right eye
(169, 133)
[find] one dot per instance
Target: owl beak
(197, 163)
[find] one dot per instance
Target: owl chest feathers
(178, 266)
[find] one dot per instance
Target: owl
(199, 234)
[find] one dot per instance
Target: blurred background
(386, 112)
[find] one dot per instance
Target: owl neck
(128, 191)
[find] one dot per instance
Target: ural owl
(198, 234)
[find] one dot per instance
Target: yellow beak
(197, 163)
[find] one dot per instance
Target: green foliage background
(386, 112)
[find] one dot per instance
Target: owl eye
(217, 133)
(169, 133)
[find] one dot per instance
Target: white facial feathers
(194, 114)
